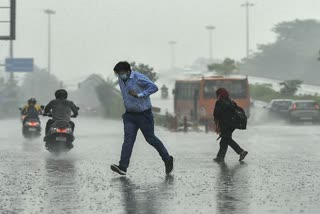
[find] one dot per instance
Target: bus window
(179, 91)
(186, 90)
(236, 88)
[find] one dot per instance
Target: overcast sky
(90, 36)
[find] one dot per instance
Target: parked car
(304, 110)
(279, 107)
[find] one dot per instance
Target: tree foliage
(9, 97)
(228, 66)
(41, 85)
(290, 87)
(294, 53)
(263, 92)
(266, 93)
(145, 69)
(9, 89)
(110, 99)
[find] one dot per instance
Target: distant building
(86, 96)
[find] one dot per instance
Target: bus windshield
(237, 88)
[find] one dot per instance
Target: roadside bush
(264, 92)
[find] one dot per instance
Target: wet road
(280, 175)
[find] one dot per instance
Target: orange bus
(195, 98)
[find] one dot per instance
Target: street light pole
(49, 13)
(210, 28)
(11, 55)
(247, 5)
(173, 57)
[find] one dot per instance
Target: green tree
(290, 87)
(41, 85)
(228, 66)
(9, 97)
(292, 54)
(145, 69)
(263, 92)
(110, 99)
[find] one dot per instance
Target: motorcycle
(31, 127)
(59, 137)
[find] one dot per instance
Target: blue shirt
(143, 86)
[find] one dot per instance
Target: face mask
(124, 77)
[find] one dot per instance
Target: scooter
(31, 127)
(59, 137)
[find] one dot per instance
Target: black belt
(140, 112)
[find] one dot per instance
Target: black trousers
(50, 122)
(226, 140)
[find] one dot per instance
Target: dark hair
(222, 92)
(122, 66)
(61, 94)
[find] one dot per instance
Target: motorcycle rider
(32, 110)
(61, 109)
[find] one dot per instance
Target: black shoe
(218, 160)
(118, 169)
(243, 155)
(169, 165)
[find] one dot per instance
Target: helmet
(32, 101)
(61, 94)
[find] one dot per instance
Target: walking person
(222, 117)
(136, 89)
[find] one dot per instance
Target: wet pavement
(281, 174)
